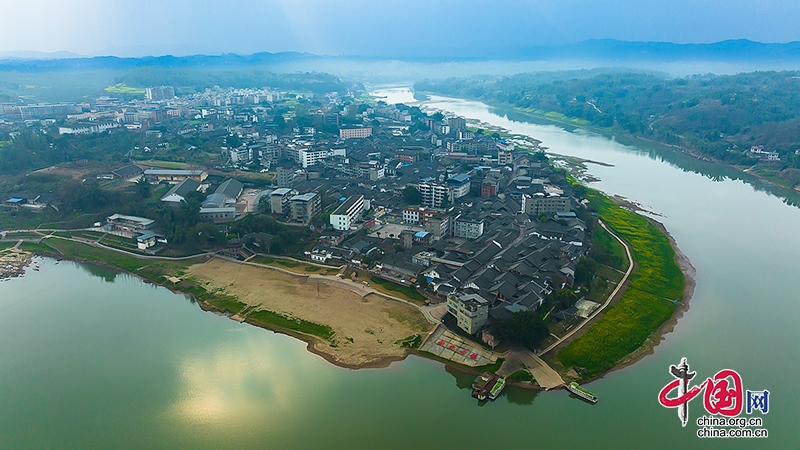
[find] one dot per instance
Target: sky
(377, 27)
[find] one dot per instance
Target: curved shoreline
(659, 335)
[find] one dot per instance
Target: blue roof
(341, 199)
(421, 234)
(16, 200)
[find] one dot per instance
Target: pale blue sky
(377, 27)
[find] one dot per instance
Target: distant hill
(598, 50)
(610, 49)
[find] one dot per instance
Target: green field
(122, 88)
(303, 326)
(646, 304)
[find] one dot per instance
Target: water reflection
(521, 396)
(105, 273)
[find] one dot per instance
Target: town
(474, 223)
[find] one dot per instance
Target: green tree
(143, 187)
(411, 195)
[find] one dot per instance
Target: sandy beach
(367, 328)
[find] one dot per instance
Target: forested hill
(717, 116)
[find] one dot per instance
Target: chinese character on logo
(758, 400)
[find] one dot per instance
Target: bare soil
(366, 328)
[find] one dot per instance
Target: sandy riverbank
(367, 328)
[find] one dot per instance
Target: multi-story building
(457, 123)
(347, 213)
(439, 226)
(414, 215)
(470, 310)
(159, 93)
(279, 200)
(540, 204)
(434, 194)
(355, 133)
(87, 128)
(468, 228)
(285, 177)
(308, 157)
(460, 184)
(305, 207)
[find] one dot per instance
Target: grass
(152, 269)
(122, 88)
(520, 375)
(294, 266)
(389, 288)
(413, 341)
(646, 304)
(302, 326)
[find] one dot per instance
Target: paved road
(545, 376)
(608, 300)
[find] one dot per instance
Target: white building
(347, 213)
(434, 194)
(468, 228)
(470, 310)
(307, 157)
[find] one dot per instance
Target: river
(90, 359)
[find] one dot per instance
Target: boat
(487, 386)
(576, 389)
(497, 388)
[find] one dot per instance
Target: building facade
(434, 194)
(355, 133)
(537, 205)
(305, 207)
(470, 310)
(347, 213)
(468, 228)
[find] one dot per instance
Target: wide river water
(90, 359)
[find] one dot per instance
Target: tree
(524, 327)
(376, 123)
(411, 195)
(143, 187)
(233, 141)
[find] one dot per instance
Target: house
(179, 192)
(128, 223)
(347, 213)
(305, 207)
(145, 241)
(279, 200)
(470, 310)
(128, 172)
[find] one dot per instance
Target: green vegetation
(303, 326)
(520, 375)
(525, 327)
(413, 341)
(718, 116)
(646, 304)
(125, 90)
(397, 290)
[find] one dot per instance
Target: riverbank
(657, 294)
(349, 326)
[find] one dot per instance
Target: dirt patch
(367, 328)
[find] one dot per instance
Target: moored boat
(576, 389)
